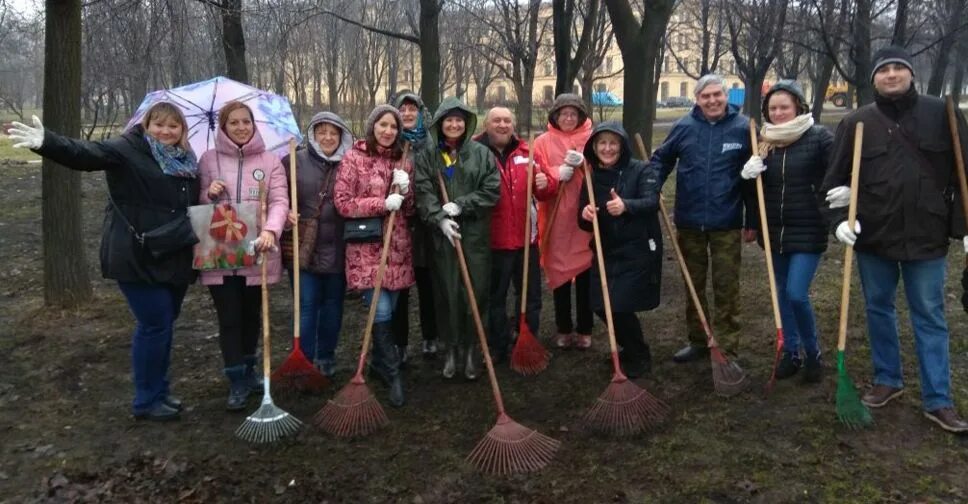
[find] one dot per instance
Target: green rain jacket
(475, 186)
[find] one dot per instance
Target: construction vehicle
(837, 95)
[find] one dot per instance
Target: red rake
(297, 373)
(355, 411)
(728, 378)
(508, 447)
(624, 408)
(768, 251)
(529, 356)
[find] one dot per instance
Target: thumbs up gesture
(615, 205)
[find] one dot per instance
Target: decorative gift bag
(226, 232)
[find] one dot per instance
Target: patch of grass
(9, 153)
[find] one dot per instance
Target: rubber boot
(386, 362)
(470, 363)
(253, 376)
(238, 388)
(450, 362)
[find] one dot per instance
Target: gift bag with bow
(226, 231)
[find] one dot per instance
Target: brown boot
(879, 395)
(948, 419)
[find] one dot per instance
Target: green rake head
(850, 410)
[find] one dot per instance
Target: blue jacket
(710, 194)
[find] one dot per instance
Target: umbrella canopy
(201, 101)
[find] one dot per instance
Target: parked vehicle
(676, 102)
(606, 99)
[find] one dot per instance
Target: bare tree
(601, 40)
(568, 62)
(701, 28)
(949, 18)
(756, 31)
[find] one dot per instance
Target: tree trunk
(820, 88)
(958, 81)
(66, 281)
(233, 41)
(429, 53)
(900, 24)
(862, 52)
(951, 33)
(753, 98)
(562, 14)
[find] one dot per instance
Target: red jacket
(507, 220)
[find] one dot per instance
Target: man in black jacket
(907, 187)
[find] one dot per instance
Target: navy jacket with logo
(708, 158)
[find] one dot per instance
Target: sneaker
(948, 419)
(173, 403)
(429, 349)
(789, 365)
(880, 395)
(690, 353)
(160, 413)
(238, 395)
(563, 340)
(583, 341)
(813, 368)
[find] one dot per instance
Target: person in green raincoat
(473, 187)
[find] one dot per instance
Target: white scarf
(781, 135)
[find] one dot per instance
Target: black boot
(386, 362)
(252, 376)
(238, 388)
(636, 365)
(789, 365)
(813, 368)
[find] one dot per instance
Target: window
(664, 90)
(684, 89)
(601, 88)
(668, 64)
(549, 93)
(608, 64)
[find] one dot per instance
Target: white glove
(845, 235)
(25, 136)
(401, 180)
(451, 209)
(753, 168)
(838, 197)
(565, 172)
(449, 227)
(574, 158)
(394, 202)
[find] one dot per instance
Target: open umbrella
(201, 101)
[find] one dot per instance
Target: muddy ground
(66, 433)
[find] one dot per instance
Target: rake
(850, 410)
(728, 378)
(529, 356)
(624, 408)
(962, 183)
(508, 447)
(768, 252)
(355, 411)
(269, 423)
(297, 373)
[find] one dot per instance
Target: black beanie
(891, 54)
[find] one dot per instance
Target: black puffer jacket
(631, 242)
(791, 190)
(147, 197)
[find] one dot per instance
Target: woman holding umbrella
(564, 252)
(796, 151)
(232, 172)
(373, 167)
(152, 178)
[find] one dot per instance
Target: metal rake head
(510, 448)
(268, 424)
(625, 409)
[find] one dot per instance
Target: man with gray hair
(709, 147)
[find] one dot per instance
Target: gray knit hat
(377, 113)
(891, 54)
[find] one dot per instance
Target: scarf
(781, 135)
(172, 159)
(418, 133)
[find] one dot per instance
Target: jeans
(155, 308)
(924, 290)
(722, 249)
(506, 269)
(384, 305)
(239, 310)
(583, 305)
(320, 312)
(794, 273)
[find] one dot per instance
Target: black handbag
(165, 239)
(363, 230)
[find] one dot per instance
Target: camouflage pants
(723, 248)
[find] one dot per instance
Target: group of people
(450, 184)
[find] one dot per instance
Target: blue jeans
(924, 290)
(155, 307)
(321, 312)
(384, 306)
(794, 274)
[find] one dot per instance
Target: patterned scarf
(418, 133)
(172, 159)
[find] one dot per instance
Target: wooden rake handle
(264, 271)
(294, 204)
(472, 299)
(589, 185)
(765, 232)
(380, 273)
(691, 287)
(527, 228)
(959, 159)
(849, 250)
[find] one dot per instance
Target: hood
(377, 113)
(226, 146)
(790, 86)
(409, 96)
(731, 111)
(449, 104)
(567, 100)
(610, 127)
(345, 142)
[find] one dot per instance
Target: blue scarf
(172, 159)
(418, 133)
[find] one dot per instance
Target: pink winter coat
(569, 253)
(236, 167)
(362, 185)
